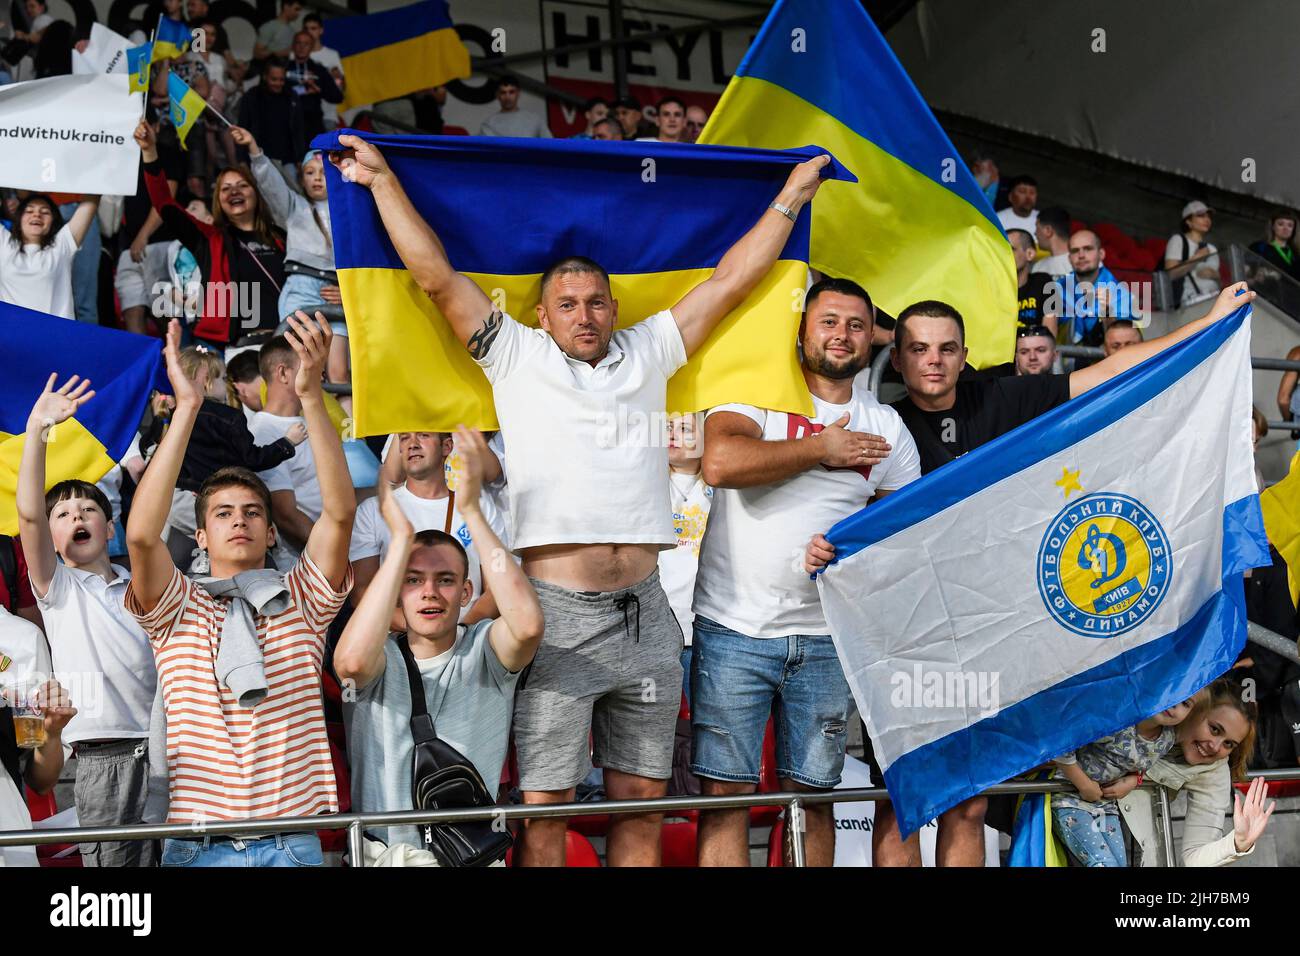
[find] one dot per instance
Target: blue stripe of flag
(852, 57)
(513, 206)
(353, 35)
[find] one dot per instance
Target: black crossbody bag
(443, 779)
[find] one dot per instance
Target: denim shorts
(735, 682)
(283, 849)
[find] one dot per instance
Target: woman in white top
(36, 257)
(1190, 258)
(1214, 744)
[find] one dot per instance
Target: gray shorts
(609, 670)
(112, 780)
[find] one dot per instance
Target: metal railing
(355, 823)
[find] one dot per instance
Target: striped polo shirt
(225, 761)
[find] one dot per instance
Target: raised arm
(736, 455)
(83, 219)
(151, 563)
(517, 632)
(52, 408)
(359, 656)
(280, 199)
(189, 230)
(1228, 302)
(748, 261)
(464, 304)
(327, 545)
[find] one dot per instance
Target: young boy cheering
(468, 673)
(239, 653)
(98, 649)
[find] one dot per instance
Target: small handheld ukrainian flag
(138, 59)
(171, 40)
(187, 106)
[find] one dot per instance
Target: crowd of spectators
(224, 576)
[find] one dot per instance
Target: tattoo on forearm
(482, 340)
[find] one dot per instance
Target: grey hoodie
(292, 212)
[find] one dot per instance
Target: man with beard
(590, 509)
(760, 635)
(949, 415)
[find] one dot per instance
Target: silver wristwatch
(783, 210)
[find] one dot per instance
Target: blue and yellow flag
(123, 370)
(391, 54)
(658, 217)
(171, 40)
(187, 106)
(138, 59)
(915, 225)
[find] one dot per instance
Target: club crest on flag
(1104, 565)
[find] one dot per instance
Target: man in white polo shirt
(590, 511)
(760, 635)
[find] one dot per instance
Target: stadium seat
(454, 130)
(578, 851)
(1276, 788)
(678, 842)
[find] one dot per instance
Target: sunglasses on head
(1031, 331)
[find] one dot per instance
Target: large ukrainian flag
(390, 54)
(914, 225)
(656, 216)
(123, 370)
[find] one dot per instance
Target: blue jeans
(1093, 840)
(286, 849)
(735, 680)
(85, 271)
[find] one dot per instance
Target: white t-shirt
(1196, 288)
(23, 651)
(691, 499)
(370, 535)
(1057, 265)
(499, 491)
(1011, 219)
(23, 655)
(751, 576)
(588, 446)
(296, 474)
(101, 654)
(327, 57)
(37, 278)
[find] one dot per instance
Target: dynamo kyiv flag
(1057, 584)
